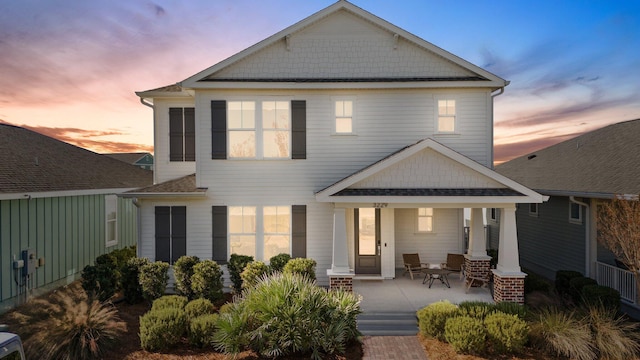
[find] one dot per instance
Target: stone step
(388, 324)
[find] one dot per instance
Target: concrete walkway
(392, 347)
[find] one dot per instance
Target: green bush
(67, 325)
(433, 317)
(206, 281)
(199, 307)
(225, 308)
(507, 333)
(512, 308)
(575, 287)
(101, 280)
(202, 330)
(169, 301)
(562, 334)
(278, 262)
(614, 337)
(597, 295)
(476, 309)
(534, 282)
(163, 328)
(301, 266)
(253, 272)
(465, 334)
(182, 273)
(236, 265)
(131, 280)
(122, 256)
(288, 314)
(154, 279)
(563, 280)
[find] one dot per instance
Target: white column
(340, 259)
(477, 241)
(508, 255)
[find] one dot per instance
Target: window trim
(417, 221)
(493, 215)
(110, 203)
(571, 218)
(334, 102)
(456, 120)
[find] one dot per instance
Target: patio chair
(477, 281)
(455, 262)
(412, 264)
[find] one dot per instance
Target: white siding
(163, 168)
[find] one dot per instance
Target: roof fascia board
(191, 81)
(584, 194)
(493, 85)
(143, 195)
(435, 202)
(165, 94)
(50, 194)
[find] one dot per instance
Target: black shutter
(175, 134)
(219, 224)
(189, 134)
(299, 231)
(163, 233)
(218, 129)
(178, 232)
(298, 129)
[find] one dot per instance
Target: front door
(367, 236)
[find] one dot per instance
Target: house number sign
(380, 205)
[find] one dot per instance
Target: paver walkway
(392, 348)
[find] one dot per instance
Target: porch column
(508, 277)
(476, 262)
(339, 274)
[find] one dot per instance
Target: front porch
(405, 295)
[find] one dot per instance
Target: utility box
(30, 262)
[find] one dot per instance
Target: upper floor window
(493, 214)
(533, 209)
(182, 134)
(446, 116)
(259, 129)
(111, 215)
(425, 219)
(344, 117)
(575, 213)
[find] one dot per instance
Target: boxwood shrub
(597, 295)
(507, 333)
(182, 273)
(236, 265)
(476, 309)
(161, 329)
(131, 287)
(563, 280)
(202, 330)
(253, 272)
(278, 262)
(465, 334)
(154, 279)
(170, 301)
(301, 266)
(433, 317)
(199, 307)
(206, 281)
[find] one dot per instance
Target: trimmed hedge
(182, 273)
(433, 317)
(278, 262)
(169, 301)
(161, 329)
(131, 280)
(199, 307)
(597, 295)
(563, 280)
(465, 334)
(476, 309)
(301, 266)
(253, 272)
(575, 287)
(154, 279)
(507, 333)
(202, 330)
(206, 281)
(236, 265)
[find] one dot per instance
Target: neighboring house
(141, 159)
(58, 203)
(577, 175)
(342, 138)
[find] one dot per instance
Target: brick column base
(508, 288)
(341, 282)
(477, 267)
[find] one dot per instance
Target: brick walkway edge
(392, 347)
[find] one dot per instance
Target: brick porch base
(508, 288)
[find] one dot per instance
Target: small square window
(425, 220)
(575, 213)
(344, 117)
(533, 209)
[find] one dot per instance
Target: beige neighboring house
(342, 138)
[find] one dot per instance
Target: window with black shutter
(171, 233)
(182, 134)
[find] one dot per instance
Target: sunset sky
(69, 68)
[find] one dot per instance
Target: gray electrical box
(30, 262)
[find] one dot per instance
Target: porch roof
(428, 192)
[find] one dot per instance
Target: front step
(388, 324)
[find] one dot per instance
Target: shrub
(101, 280)
(507, 333)
(225, 308)
(162, 328)
(614, 337)
(199, 307)
(131, 280)
(182, 272)
(512, 308)
(476, 309)
(236, 265)
(67, 326)
(465, 334)
(563, 279)
(562, 334)
(206, 281)
(169, 301)
(122, 256)
(597, 295)
(154, 279)
(575, 287)
(202, 330)
(253, 272)
(433, 317)
(534, 282)
(278, 262)
(288, 314)
(301, 266)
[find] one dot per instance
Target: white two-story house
(341, 138)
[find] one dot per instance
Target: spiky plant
(562, 333)
(614, 337)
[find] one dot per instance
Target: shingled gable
(454, 178)
(284, 52)
(33, 163)
(181, 187)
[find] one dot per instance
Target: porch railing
(620, 279)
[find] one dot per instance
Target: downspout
(137, 204)
(155, 141)
(493, 96)
(587, 236)
(145, 103)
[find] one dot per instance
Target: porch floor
(405, 295)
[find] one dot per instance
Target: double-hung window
(261, 232)
(182, 134)
(259, 129)
(425, 220)
(344, 117)
(446, 116)
(575, 213)
(111, 211)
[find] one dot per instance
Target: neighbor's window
(246, 237)
(259, 130)
(425, 219)
(575, 213)
(533, 209)
(344, 117)
(111, 215)
(446, 115)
